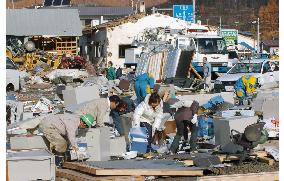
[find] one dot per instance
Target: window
(121, 49)
(10, 64)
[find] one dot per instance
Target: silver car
(266, 71)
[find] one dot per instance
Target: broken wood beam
(224, 158)
(264, 176)
(195, 72)
(77, 176)
(267, 160)
(150, 172)
(80, 167)
(188, 162)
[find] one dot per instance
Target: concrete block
(117, 146)
(223, 127)
(126, 121)
(270, 108)
(27, 143)
(31, 165)
(98, 142)
(80, 95)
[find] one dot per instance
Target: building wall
(126, 33)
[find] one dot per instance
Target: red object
(275, 122)
(196, 30)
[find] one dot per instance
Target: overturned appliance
(252, 136)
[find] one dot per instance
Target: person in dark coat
(186, 117)
(118, 73)
(126, 105)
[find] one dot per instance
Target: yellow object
(240, 94)
(249, 83)
(149, 90)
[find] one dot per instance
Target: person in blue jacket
(144, 85)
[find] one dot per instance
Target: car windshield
(246, 68)
(211, 45)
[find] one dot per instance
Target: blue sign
(184, 12)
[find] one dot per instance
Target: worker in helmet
(144, 85)
(245, 87)
(56, 128)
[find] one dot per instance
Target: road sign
(184, 12)
(230, 36)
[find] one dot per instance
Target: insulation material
(171, 63)
(156, 62)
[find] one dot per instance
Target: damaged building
(110, 40)
(52, 30)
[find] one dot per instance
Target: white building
(109, 40)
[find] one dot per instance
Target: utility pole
(258, 41)
(193, 5)
(13, 4)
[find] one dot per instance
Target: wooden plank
(195, 72)
(269, 161)
(188, 162)
(80, 167)
(264, 176)
(152, 172)
(260, 153)
(77, 176)
(224, 158)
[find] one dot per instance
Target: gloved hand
(194, 119)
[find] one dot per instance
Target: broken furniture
(30, 165)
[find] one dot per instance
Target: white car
(266, 71)
(12, 76)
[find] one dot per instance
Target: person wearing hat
(56, 128)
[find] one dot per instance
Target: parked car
(265, 71)
(12, 76)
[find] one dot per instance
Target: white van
(12, 76)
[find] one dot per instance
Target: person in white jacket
(149, 114)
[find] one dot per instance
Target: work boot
(59, 159)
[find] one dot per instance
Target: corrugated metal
(171, 66)
(104, 11)
(49, 22)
